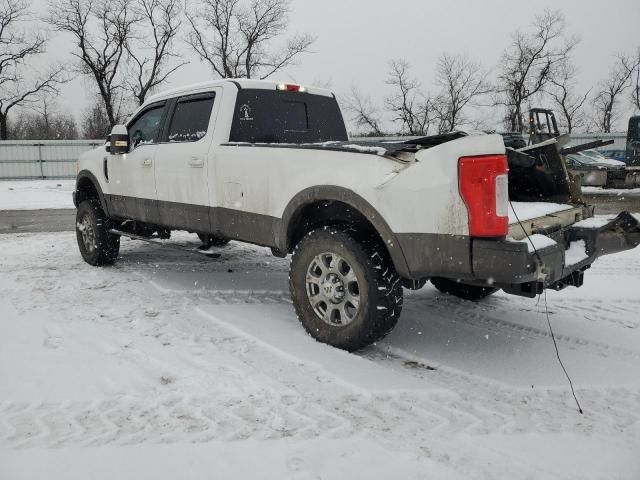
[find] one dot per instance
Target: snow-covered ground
(173, 365)
(36, 194)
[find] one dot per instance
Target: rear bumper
(512, 265)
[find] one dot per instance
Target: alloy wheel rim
(333, 289)
(88, 234)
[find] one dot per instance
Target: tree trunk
(4, 131)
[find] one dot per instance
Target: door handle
(196, 162)
(147, 162)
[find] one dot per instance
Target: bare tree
(635, 93)
(461, 81)
(101, 54)
(563, 93)
(20, 84)
(233, 37)
(44, 123)
(408, 104)
(95, 123)
(528, 64)
(151, 48)
(364, 113)
(606, 100)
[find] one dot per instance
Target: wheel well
(325, 213)
(86, 190)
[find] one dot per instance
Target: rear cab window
(273, 116)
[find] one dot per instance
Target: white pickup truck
(271, 164)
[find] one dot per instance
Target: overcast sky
(356, 39)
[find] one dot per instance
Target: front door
(132, 175)
(181, 165)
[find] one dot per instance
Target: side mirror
(119, 140)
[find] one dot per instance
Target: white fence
(40, 159)
(619, 139)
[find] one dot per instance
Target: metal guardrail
(42, 159)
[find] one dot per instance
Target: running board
(159, 242)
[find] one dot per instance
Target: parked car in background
(619, 154)
(601, 159)
(584, 160)
(633, 142)
(599, 171)
(592, 172)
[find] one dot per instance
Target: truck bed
(390, 148)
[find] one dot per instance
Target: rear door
(131, 175)
(181, 166)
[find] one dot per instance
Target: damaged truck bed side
(553, 247)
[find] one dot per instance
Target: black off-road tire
(103, 247)
(473, 293)
(380, 288)
(209, 241)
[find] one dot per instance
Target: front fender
(80, 191)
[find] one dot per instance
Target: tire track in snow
(304, 406)
(467, 315)
(265, 415)
(616, 406)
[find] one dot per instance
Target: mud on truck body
(271, 164)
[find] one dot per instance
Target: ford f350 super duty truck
(271, 164)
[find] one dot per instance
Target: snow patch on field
(36, 194)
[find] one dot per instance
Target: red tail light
(484, 189)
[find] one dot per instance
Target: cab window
(190, 118)
(146, 127)
(272, 116)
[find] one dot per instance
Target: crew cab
(271, 164)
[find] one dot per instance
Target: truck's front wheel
(97, 246)
(346, 293)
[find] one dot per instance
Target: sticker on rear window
(245, 113)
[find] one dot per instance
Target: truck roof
(238, 82)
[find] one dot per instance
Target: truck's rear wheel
(209, 241)
(461, 290)
(346, 293)
(97, 246)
